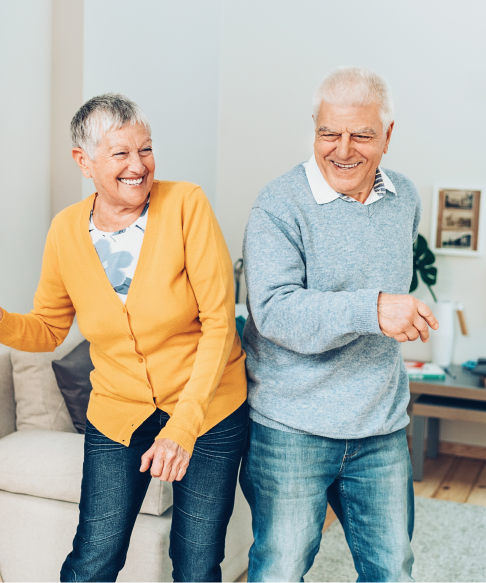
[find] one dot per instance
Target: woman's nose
(135, 163)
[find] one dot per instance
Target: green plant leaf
(414, 284)
(423, 260)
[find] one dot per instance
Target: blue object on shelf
(470, 364)
(240, 324)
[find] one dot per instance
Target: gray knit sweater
(317, 359)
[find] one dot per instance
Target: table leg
(418, 439)
(433, 437)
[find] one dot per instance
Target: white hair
(101, 114)
(354, 87)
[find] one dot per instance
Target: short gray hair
(110, 111)
(355, 86)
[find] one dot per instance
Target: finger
(401, 337)
(147, 459)
(181, 473)
(174, 472)
(412, 333)
(158, 465)
(428, 316)
(423, 329)
(169, 463)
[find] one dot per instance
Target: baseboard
(477, 452)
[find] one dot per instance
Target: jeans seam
(355, 452)
(343, 461)
(353, 536)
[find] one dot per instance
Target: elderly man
(328, 264)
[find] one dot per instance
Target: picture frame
(458, 220)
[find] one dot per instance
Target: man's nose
(343, 148)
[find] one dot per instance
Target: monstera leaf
(423, 260)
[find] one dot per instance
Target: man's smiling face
(348, 147)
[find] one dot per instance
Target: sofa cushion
(72, 376)
(48, 464)
(39, 402)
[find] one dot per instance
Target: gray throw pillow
(72, 375)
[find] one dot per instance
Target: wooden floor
(448, 477)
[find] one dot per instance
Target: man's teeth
(126, 181)
(346, 165)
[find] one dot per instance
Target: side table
(460, 398)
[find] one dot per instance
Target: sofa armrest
(7, 399)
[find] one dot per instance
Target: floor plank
(459, 481)
(330, 518)
(478, 492)
(243, 578)
(435, 470)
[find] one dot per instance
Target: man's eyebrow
(364, 131)
(355, 132)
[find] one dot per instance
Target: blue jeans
(113, 490)
(288, 478)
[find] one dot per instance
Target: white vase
(442, 340)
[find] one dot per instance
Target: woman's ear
(82, 160)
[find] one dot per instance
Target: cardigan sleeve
(210, 273)
(49, 322)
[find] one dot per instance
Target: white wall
(432, 53)
(25, 66)
(67, 97)
(164, 55)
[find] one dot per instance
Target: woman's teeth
(346, 165)
(131, 182)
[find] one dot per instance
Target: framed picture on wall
(458, 220)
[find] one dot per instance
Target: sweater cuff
(365, 312)
(179, 435)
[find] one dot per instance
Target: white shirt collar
(323, 193)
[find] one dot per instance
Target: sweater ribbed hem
(365, 311)
(262, 420)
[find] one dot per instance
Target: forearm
(284, 309)
(31, 333)
(311, 322)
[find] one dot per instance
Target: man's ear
(388, 137)
(82, 160)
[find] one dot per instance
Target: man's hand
(168, 459)
(405, 318)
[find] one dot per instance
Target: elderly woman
(144, 265)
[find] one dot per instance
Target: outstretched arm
(48, 324)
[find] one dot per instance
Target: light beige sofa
(41, 457)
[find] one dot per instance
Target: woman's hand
(169, 460)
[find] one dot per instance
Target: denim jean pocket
(226, 439)
(95, 440)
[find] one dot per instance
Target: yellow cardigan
(173, 345)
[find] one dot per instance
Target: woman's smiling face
(124, 166)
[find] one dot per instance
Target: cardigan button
(140, 360)
(130, 337)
